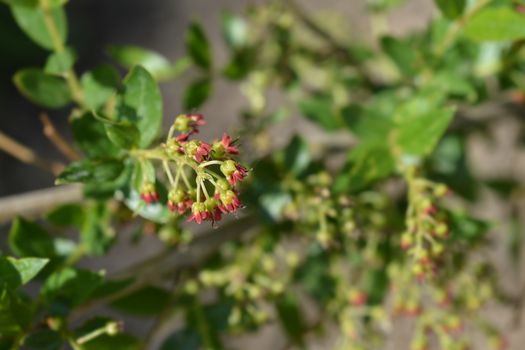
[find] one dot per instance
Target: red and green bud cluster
(207, 190)
(426, 226)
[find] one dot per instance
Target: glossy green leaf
(41, 88)
(99, 85)
(141, 104)
(27, 239)
(59, 62)
(71, 285)
(196, 94)
(451, 8)
(31, 20)
(197, 46)
(496, 24)
(17, 272)
(90, 136)
(419, 134)
(96, 231)
(148, 301)
(91, 170)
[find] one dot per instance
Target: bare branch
(54, 136)
(26, 155)
(35, 203)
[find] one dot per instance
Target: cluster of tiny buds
(426, 228)
(216, 173)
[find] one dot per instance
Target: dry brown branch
(34, 203)
(26, 155)
(58, 141)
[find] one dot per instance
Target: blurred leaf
(44, 340)
(141, 104)
(66, 215)
(96, 231)
(273, 204)
(496, 24)
(234, 30)
(320, 109)
(402, 53)
(91, 170)
(451, 9)
(197, 93)
(197, 46)
(17, 272)
(314, 275)
(31, 20)
(368, 125)
(27, 239)
(59, 62)
(74, 286)
(157, 212)
(291, 317)
(99, 85)
(44, 89)
(464, 227)
(419, 134)
(185, 339)
(241, 63)
(90, 136)
(148, 301)
(121, 341)
(297, 155)
(366, 163)
(15, 314)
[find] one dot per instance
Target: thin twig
(36, 202)
(54, 136)
(26, 155)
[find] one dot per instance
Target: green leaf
(234, 30)
(148, 301)
(185, 339)
(197, 46)
(419, 134)
(30, 18)
(241, 63)
(59, 62)
(297, 155)
(320, 109)
(464, 227)
(28, 239)
(99, 85)
(66, 215)
(71, 285)
(90, 136)
(44, 340)
(91, 170)
(496, 24)
(44, 89)
(15, 313)
(120, 341)
(291, 317)
(130, 56)
(17, 272)
(196, 94)
(141, 104)
(96, 231)
(402, 53)
(451, 9)
(366, 163)
(123, 134)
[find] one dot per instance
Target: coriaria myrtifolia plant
(358, 236)
(179, 154)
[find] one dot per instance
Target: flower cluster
(207, 190)
(426, 226)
